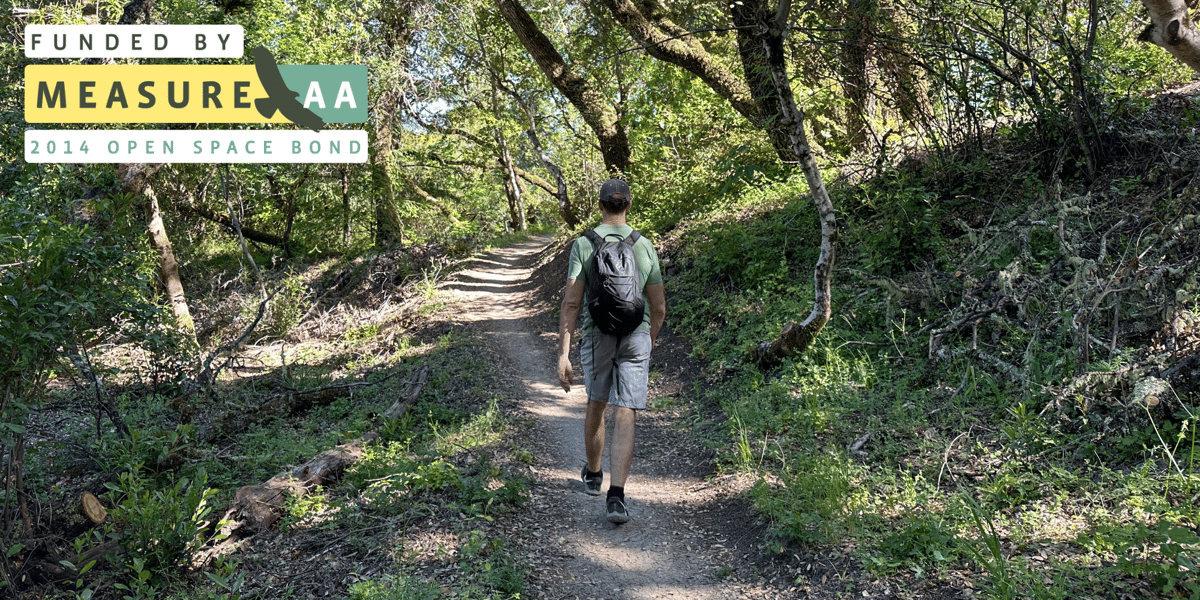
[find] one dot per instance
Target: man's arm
(572, 301)
(657, 298)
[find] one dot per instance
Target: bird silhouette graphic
(279, 96)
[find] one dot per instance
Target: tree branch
(1171, 29)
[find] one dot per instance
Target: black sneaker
(591, 485)
(616, 512)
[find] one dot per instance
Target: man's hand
(566, 374)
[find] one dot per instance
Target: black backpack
(614, 297)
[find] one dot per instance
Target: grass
(993, 462)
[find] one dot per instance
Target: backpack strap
(596, 240)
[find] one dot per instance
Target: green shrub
(146, 448)
(905, 231)
(815, 502)
(920, 542)
(1169, 553)
(485, 559)
(160, 527)
(403, 587)
(289, 306)
(387, 476)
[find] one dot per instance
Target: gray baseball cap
(615, 191)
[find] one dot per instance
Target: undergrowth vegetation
(167, 483)
(1006, 393)
(1004, 389)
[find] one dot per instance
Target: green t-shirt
(643, 250)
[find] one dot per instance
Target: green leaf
(15, 548)
(1181, 535)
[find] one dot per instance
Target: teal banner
(336, 93)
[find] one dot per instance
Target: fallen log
(255, 508)
(409, 396)
(261, 237)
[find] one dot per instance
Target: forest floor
(500, 421)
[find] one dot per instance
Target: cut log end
(92, 508)
(1151, 391)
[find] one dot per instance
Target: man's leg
(596, 354)
(593, 436)
(633, 369)
(621, 454)
(632, 364)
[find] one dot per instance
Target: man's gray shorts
(616, 370)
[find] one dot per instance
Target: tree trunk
(345, 173)
(1172, 29)
(760, 45)
(565, 210)
(397, 33)
(755, 98)
(387, 219)
(287, 203)
(589, 101)
(856, 79)
(564, 201)
(796, 338)
(668, 42)
(749, 17)
(516, 211)
(134, 10)
(18, 484)
(134, 177)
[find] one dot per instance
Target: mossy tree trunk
(135, 180)
(397, 19)
(767, 30)
(855, 67)
(582, 93)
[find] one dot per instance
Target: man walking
(616, 364)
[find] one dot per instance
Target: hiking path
(687, 533)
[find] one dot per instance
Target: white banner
(134, 41)
(212, 146)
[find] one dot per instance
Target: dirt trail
(670, 548)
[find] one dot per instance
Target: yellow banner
(144, 94)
